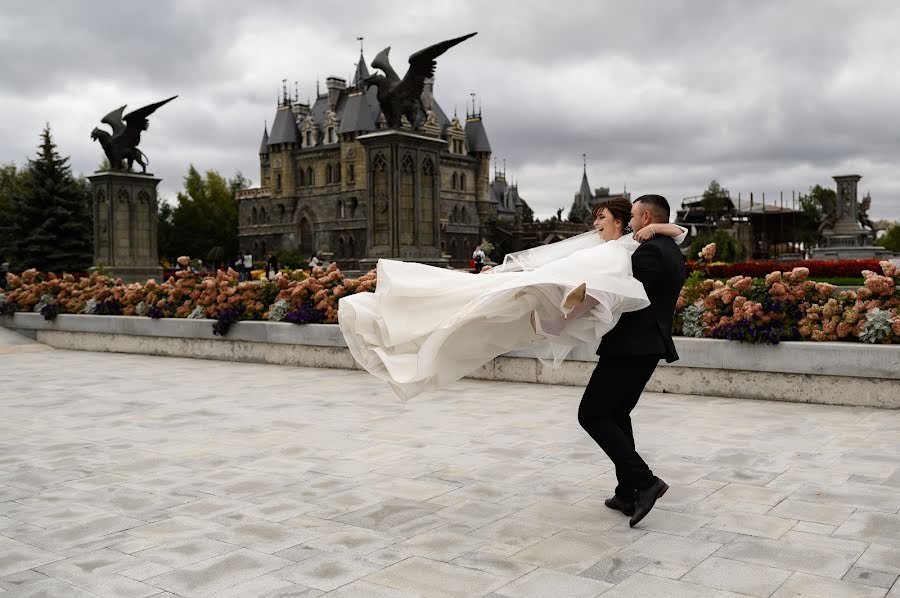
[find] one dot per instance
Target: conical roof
(361, 71)
(585, 190)
(357, 116)
(284, 129)
(264, 146)
(476, 136)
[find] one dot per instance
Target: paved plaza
(135, 476)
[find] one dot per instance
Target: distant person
(478, 258)
(271, 266)
(248, 266)
(239, 266)
(314, 261)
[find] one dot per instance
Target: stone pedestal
(848, 239)
(403, 170)
(125, 237)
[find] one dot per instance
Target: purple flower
(305, 314)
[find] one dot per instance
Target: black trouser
(604, 413)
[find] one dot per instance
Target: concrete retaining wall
(830, 373)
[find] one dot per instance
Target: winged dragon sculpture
(121, 145)
(863, 212)
(829, 212)
(403, 97)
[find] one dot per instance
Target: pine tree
(50, 224)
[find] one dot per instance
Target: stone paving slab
(129, 475)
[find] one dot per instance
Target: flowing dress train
(425, 327)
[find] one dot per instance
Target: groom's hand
(486, 268)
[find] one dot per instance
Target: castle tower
(283, 140)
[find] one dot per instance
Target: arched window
(262, 215)
(341, 246)
(306, 239)
(310, 176)
(464, 216)
(263, 247)
(454, 215)
(462, 182)
(301, 179)
(453, 248)
(340, 209)
(352, 247)
(255, 247)
(337, 172)
(253, 216)
(309, 138)
(281, 212)
(454, 181)
(328, 173)
(353, 205)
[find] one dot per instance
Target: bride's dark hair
(618, 207)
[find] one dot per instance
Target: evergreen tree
(49, 224)
(9, 181)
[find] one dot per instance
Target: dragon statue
(121, 145)
(403, 97)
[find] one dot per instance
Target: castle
(319, 187)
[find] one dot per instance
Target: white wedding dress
(425, 327)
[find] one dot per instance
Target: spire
(264, 146)
(585, 191)
(361, 71)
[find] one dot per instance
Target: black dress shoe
(620, 504)
(646, 499)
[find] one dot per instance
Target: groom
(628, 355)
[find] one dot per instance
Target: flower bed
(786, 305)
(817, 268)
(298, 297)
(782, 305)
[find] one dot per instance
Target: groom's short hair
(658, 206)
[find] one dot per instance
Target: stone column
(125, 233)
(398, 165)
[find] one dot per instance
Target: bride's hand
(486, 268)
(645, 234)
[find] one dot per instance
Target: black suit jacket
(658, 264)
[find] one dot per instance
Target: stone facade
(317, 195)
(125, 236)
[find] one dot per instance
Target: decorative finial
(284, 92)
(584, 161)
(360, 40)
(473, 103)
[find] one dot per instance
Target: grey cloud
(667, 95)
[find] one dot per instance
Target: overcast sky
(664, 96)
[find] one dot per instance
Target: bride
(425, 327)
